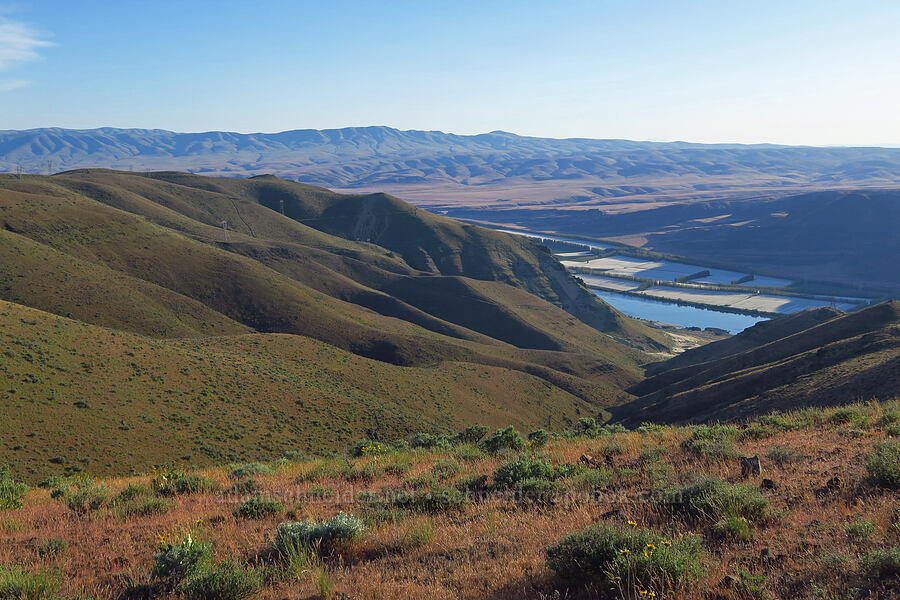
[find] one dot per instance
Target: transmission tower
(19, 171)
(282, 207)
(49, 167)
(225, 235)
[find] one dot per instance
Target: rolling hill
(124, 291)
(819, 357)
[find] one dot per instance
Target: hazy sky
(800, 72)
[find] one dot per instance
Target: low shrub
(591, 479)
(881, 564)
(504, 439)
(783, 456)
(539, 438)
(418, 534)
(860, 528)
(884, 464)
(471, 435)
(244, 487)
(419, 482)
(143, 506)
(174, 563)
(428, 441)
(321, 492)
(368, 448)
(12, 492)
(291, 538)
(713, 500)
(50, 547)
(435, 500)
(321, 469)
(638, 557)
(19, 584)
(82, 495)
(258, 508)
(524, 467)
(174, 482)
(711, 441)
(472, 484)
(538, 492)
(733, 527)
(468, 453)
(446, 469)
(369, 471)
(240, 471)
(397, 468)
(228, 581)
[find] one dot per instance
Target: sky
(820, 72)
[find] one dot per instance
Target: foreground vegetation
(590, 512)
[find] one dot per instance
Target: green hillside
(108, 401)
(342, 317)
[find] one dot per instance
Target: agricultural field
(582, 513)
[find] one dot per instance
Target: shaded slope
(845, 358)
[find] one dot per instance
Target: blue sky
(799, 72)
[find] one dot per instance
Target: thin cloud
(18, 43)
(8, 85)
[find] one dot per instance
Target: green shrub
(538, 492)
(174, 482)
(228, 581)
(370, 471)
(659, 473)
(321, 492)
(472, 484)
(418, 534)
(881, 564)
(756, 432)
(471, 435)
(19, 584)
(428, 441)
(468, 453)
(243, 470)
(50, 547)
(884, 464)
(321, 469)
(712, 500)
(539, 438)
(304, 535)
(504, 439)
(711, 441)
(82, 495)
(525, 467)
(437, 499)
(244, 487)
(778, 422)
(397, 468)
(12, 492)
(783, 456)
(141, 507)
(641, 557)
(446, 469)
(258, 508)
(591, 479)
(733, 527)
(174, 563)
(860, 528)
(425, 480)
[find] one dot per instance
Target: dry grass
(495, 549)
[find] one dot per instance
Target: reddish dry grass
(494, 549)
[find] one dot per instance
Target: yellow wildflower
(632, 523)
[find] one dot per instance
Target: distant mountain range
(387, 158)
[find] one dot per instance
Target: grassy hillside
(80, 396)
(816, 358)
(660, 512)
